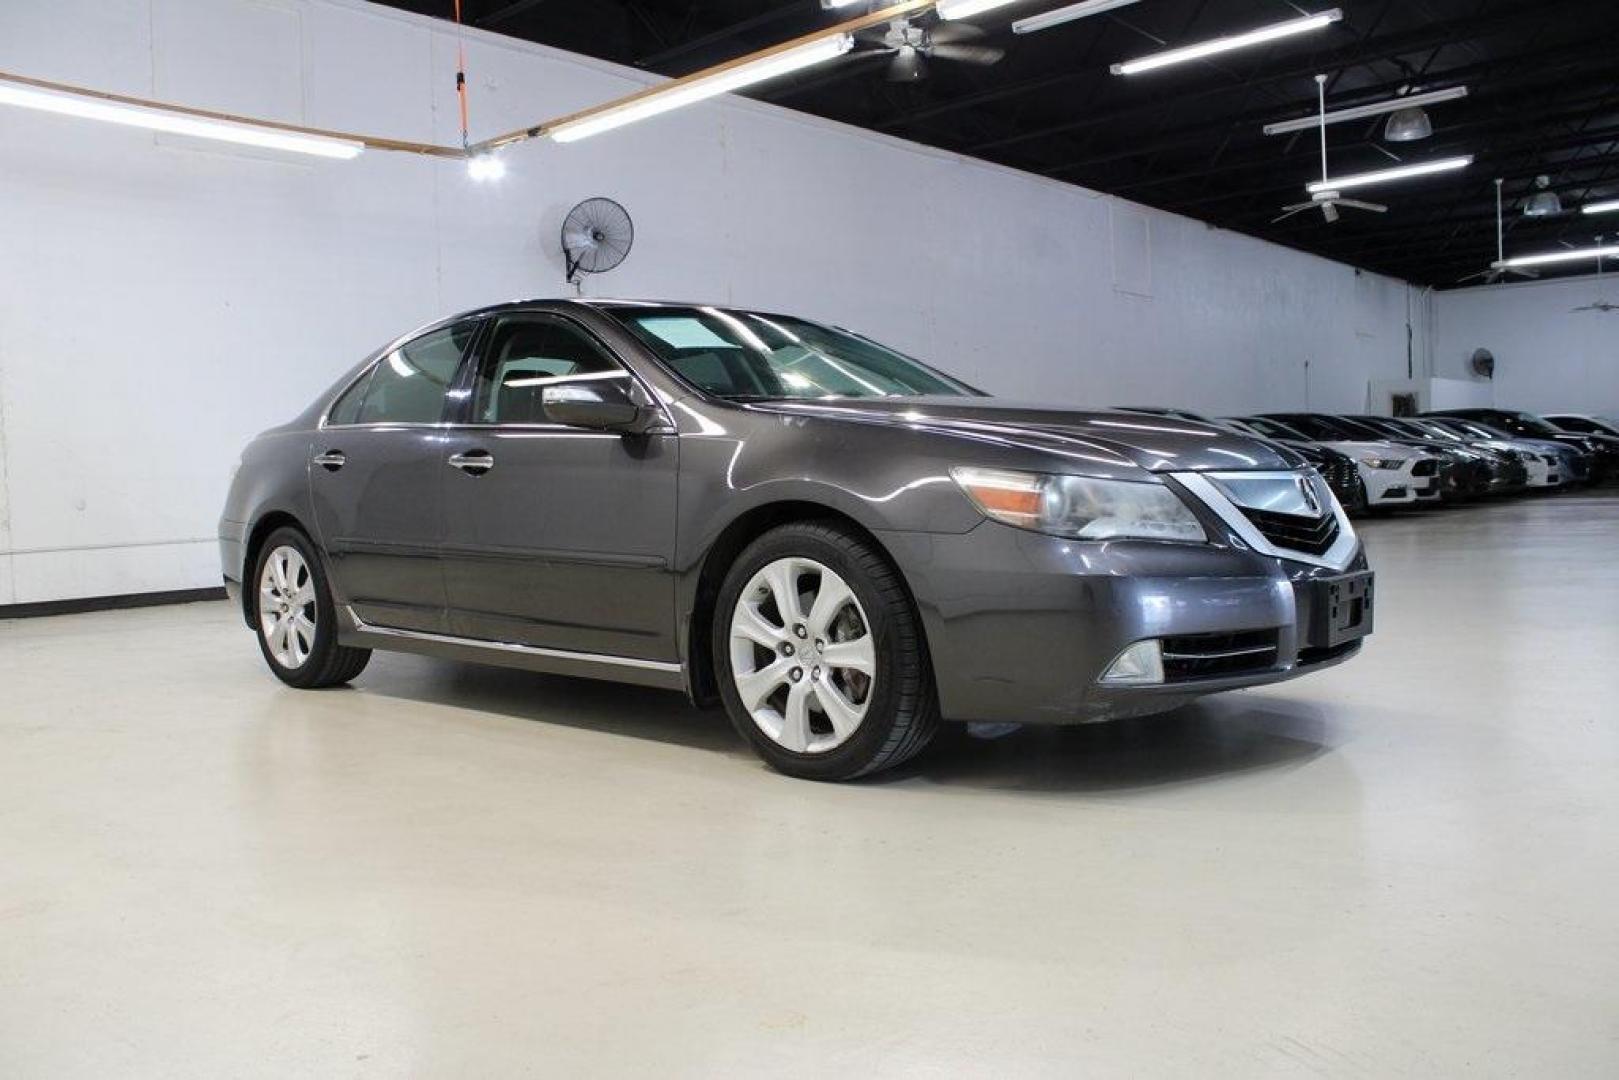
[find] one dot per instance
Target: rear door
(376, 483)
(556, 537)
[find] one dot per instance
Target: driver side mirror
(599, 405)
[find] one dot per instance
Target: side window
(527, 354)
(408, 385)
(347, 408)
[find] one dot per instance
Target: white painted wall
(161, 300)
(1549, 357)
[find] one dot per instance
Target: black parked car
(1509, 471)
(1468, 472)
(1522, 425)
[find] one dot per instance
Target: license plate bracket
(1342, 609)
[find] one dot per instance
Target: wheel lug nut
(800, 631)
(819, 644)
(798, 673)
(786, 648)
(816, 674)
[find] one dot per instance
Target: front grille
(1310, 535)
(1343, 477)
(1426, 467)
(1207, 656)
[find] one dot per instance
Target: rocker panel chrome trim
(512, 647)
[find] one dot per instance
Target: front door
(556, 537)
(376, 483)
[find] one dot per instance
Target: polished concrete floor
(1408, 866)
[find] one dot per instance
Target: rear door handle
(473, 462)
(331, 460)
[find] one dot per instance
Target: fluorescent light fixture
(1046, 20)
(1609, 252)
(1600, 207)
(966, 9)
(177, 123)
(1360, 112)
(833, 5)
(679, 94)
(1383, 176)
(485, 167)
(1228, 43)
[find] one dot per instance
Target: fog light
(1141, 663)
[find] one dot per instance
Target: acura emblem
(1307, 489)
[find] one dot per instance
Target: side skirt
(624, 669)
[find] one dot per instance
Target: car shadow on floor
(1219, 737)
(1199, 742)
(611, 708)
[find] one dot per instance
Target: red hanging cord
(461, 73)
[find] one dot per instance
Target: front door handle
(331, 460)
(473, 462)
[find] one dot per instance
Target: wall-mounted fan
(1328, 201)
(914, 46)
(596, 236)
(1497, 272)
(1482, 363)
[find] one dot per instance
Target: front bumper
(1022, 626)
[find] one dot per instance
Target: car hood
(1156, 443)
(1357, 447)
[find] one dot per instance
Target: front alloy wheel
(802, 655)
(820, 656)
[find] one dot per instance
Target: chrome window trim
(1337, 557)
(663, 666)
(626, 370)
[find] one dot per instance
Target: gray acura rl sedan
(841, 544)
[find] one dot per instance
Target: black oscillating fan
(596, 236)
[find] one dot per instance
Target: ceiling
(1542, 75)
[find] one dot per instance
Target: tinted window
(743, 355)
(1577, 423)
(1312, 426)
(1274, 429)
(347, 409)
(408, 385)
(525, 355)
(1360, 429)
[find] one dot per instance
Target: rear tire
(294, 617)
(804, 612)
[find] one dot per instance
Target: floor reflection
(1217, 737)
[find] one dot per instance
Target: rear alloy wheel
(287, 609)
(295, 616)
(822, 664)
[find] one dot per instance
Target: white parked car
(1394, 475)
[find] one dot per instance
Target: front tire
(820, 658)
(295, 617)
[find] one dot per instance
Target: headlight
(1372, 461)
(1081, 507)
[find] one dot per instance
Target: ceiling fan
(1497, 272)
(1329, 201)
(913, 46)
(1599, 304)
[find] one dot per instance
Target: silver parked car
(840, 544)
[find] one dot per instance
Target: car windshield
(1361, 429)
(1476, 430)
(1523, 424)
(746, 356)
(1273, 429)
